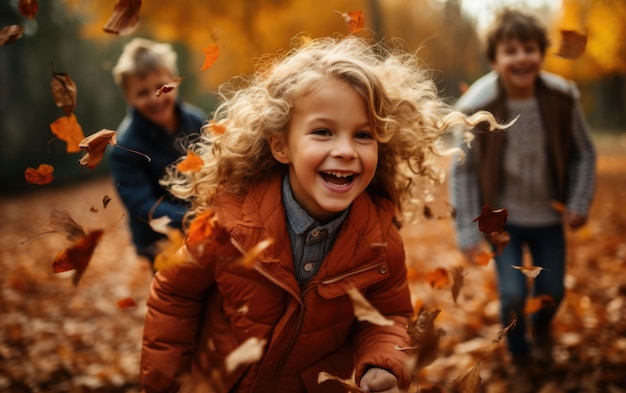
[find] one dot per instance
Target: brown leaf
(42, 175)
(64, 91)
(572, 45)
(354, 19)
(425, 337)
(78, 256)
(250, 351)
(348, 385)
(558, 206)
(10, 33)
(470, 382)
(537, 303)
(503, 332)
(529, 271)
(125, 17)
(28, 8)
(458, 276)
(67, 129)
(364, 311)
(62, 222)
(105, 201)
(211, 53)
(95, 145)
(491, 220)
(168, 87)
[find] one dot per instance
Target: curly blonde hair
(404, 107)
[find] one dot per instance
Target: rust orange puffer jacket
(199, 312)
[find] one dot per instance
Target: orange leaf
(558, 206)
(191, 163)
(354, 19)
(211, 53)
(537, 303)
(77, 256)
(201, 227)
(95, 145)
(64, 91)
(216, 129)
(41, 175)
(483, 258)
(168, 87)
(171, 251)
(28, 8)
(438, 278)
(127, 302)
(572, 45)
(125, 17)
(529, 271)
(412, 274)
(250, 258)
(68, 129)
(10, 33)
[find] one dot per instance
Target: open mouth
(338, 178)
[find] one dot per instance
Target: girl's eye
(364, 135)
(321, 131)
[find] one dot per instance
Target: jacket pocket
(361, 278)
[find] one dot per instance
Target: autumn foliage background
(57, 337)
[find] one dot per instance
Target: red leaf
(491, 220)
(78, 256)
(41, 175)
(28, 8)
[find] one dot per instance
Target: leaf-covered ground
(55, 337)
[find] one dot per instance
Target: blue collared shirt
(310, 241)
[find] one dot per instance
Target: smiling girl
(321, 149)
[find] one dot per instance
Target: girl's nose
(344, 148)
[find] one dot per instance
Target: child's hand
(379, 380)
(574, 220)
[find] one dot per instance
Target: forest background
(68, 35)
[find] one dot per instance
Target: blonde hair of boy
(405, 110)
(140, 57)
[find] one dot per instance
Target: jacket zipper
(348, 274)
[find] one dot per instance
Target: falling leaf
(354, 19)
(249, 351)
(61, 221)
(28, 8)
(67, 129)
(558, 206)
(168, 87)
(503, 332)
(425, 337)
(529, 271)
(172, 251)
(438, 278)
(500, 240)
(42, 175)
(348, 385)
(105, 201)
(64, 91)
(458, 276)
(491, 220)
(160, 224)
(10, 33)
(127, 302)
(538, 303)
(211, 53)
(216, 129)
(191, 163)
(412, 274)
(204, 230)
(470, 382)
(364, 311)
(77, 256)
(95, 145)
(483, 258)
(250, 258)
(125, 17)
(572, 45)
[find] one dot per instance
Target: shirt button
(382, 270)
(308, 266)
(315, 233)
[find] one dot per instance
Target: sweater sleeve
(582, 168)
(464, 195)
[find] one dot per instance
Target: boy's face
(518, 63)
(140, 93)
(330, 149)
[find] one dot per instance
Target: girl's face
(140, 94)
(330, 149)
(518, 63)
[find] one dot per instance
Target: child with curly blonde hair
(322, 148)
